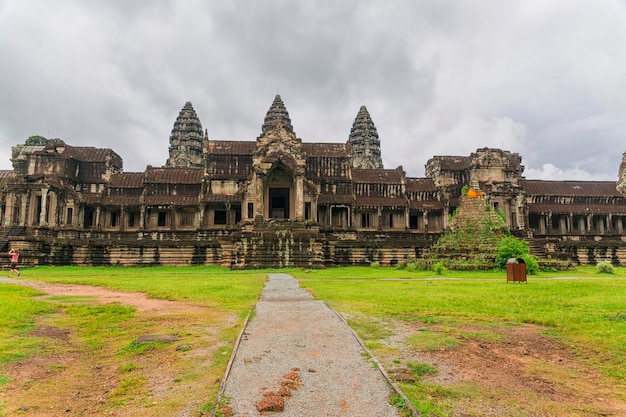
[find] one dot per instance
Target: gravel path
(291, 331)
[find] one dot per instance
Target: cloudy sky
(543, 78)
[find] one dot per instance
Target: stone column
(122, 219)
(44, 207)
(8, 211)
(202, 208)
(299, 199)
(142, 218)
(259, 209)
(53, 214)
(97, 219)
(23, 213)
(229, 217)
(570, 219)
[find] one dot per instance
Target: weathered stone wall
(297, 246)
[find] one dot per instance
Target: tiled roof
(380, 202)
(579, 209)
(174, 175)
(122, 200)
(231, 147)
(386, 176)
(5, 175)
(90, 198)
(570, 188)
(420, 184)
(91, 154)
(222, 198)
(325, 149)
(177, 200)
(335, 199)
(127, 180)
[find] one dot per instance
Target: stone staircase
(5, 237)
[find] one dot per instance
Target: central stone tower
(186, 140)
(364, 142)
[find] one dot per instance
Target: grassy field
(587, 312)
(99, 369)
(582, 310)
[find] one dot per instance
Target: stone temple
(278, 201)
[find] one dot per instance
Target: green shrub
(532, 266)
(510, 247)
(604, 267)
(375, 264)
(438, 268)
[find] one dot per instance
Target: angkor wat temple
(278, 201)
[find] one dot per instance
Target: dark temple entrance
(279, 203)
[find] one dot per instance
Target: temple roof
(173, 175)
(277, 115)
(378, 176)
(420, 184)
(127, 180)
(570, 188)
(578, 209)
(324, 149)
(231, 147)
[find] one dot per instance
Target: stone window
(162, 219)
(250, 210)
(70, 215)
(133, 219)
(186, 218)
(88, 218)
(219, 217)
(114, 218)
(414, 221)
(365, 220)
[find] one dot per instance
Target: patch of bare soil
(523, 373)
(71, 379)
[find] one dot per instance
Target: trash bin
(516, 270)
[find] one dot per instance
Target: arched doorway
(279, 193)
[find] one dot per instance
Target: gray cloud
(439, 78)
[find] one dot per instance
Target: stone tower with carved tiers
(186, 140)
(364, 142)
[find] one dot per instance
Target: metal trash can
(516, 270)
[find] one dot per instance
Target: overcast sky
(543, 78)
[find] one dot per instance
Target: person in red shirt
(15, 256)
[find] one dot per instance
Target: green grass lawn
(587, 311)
(584, 310)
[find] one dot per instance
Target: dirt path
(102, 295)
(295, 338)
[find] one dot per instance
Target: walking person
(15, 256)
